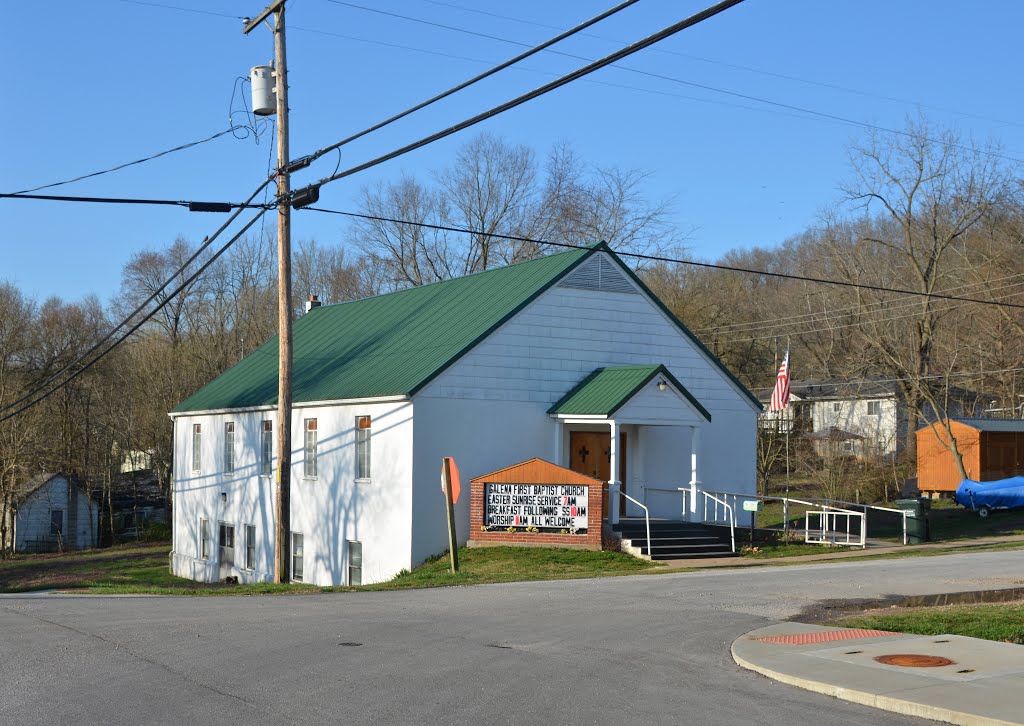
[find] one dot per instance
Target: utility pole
(282, 508)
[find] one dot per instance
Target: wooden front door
(590, 453)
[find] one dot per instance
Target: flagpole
(789, 428)
(789, 372)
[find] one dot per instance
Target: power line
(673, 260)
(738, 66)
(83, 368)
(143, 160)
(193, 206)
(939, 376)
(692, 84)
(486, 74)
(816, 316)
(156, 293)
(305, 160)
(859, 323)
(183, 9)
(453, 56)
(629, 50)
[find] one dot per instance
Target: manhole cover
(910, 660)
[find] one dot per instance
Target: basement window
(297, 557)
(355, 562)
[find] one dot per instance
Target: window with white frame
(309, 454)
(874, 408)
(56, 522)
(250, 547)
(297, 556)
(848, 446)
(266, 447)
(355, 562)
(204, 539)
(197, 447)
(229, 447)
(837, 407)
(362, 447)
(226, 541)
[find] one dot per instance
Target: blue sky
(95, 84)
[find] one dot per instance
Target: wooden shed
(992, 448)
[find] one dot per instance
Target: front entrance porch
(638, 429)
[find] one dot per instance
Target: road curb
(875, 700)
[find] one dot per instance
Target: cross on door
(584, 452)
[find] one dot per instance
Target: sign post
(753, 506)
(450, 487)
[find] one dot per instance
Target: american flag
(780, 396)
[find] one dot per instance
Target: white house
(568, 357)
(53, 513)
(870, 416)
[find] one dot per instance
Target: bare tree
(923, 192)
(511, 204)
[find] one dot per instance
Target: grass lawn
(142, 569)
(1002, 621)
(478, 565)
(768, 550)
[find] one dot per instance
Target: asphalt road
(629, 650)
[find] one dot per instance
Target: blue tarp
(993, 494)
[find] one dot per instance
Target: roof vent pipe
(313, 302)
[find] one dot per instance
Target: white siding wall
(482, 436)
(490, 407)
(32, 523)
(651, 406)
(327, 510)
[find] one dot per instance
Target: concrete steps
(675, 540)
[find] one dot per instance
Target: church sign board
(545, 506)
(536, 503)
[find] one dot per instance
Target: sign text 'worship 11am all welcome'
(545, 506)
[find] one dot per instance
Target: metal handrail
(824, 504)
(647, 517)
(728, 508)
(677, 490)
(825, 515)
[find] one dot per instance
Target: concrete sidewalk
(874, 548)
(944, 677)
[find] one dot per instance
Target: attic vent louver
(599, 273)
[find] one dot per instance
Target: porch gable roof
(606, 390)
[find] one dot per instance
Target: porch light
(662, 385)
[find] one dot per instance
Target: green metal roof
(606, 390)
(394, 344)
(388, 345)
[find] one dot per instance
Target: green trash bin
(917, 519)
